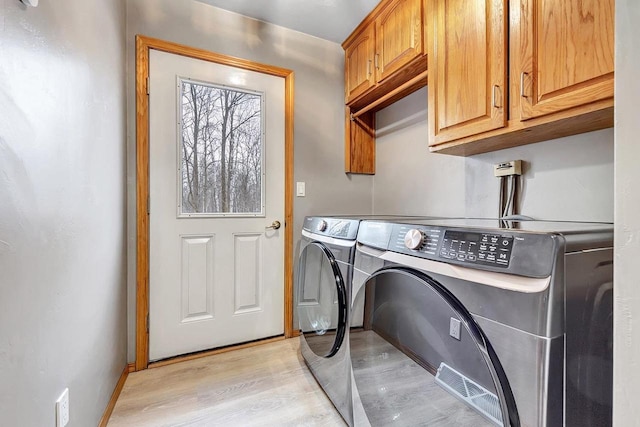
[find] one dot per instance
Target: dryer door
(421, 359)
(322, 304)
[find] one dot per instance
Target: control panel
(476, 248)
(421, 240)
(467, 247)
(339, 228)
(510, 251)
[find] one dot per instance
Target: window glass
(221, 150)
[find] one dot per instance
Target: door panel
(399, 35)
(467, 68)
(359, 64)
(322, 308)
(215, 271)
(567, 54)
(420, 359)
(248, 261)
(197, 278)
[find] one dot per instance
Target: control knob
(414, 239)
(322, 225)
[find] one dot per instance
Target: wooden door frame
(143, 46)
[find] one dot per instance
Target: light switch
(300, 191)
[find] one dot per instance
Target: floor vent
(470, 392)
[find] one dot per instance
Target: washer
(324, 274)
(482, 322)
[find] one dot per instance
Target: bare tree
(221, 150)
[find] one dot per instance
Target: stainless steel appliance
(481, 322)
(323, 293)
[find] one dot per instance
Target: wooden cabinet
(359, 146)
(565, 55)
(467, 68)
(389, 39)
(399, 36)
(384, 61)
(358, 63)
(560, 72)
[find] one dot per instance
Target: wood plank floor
(265, 385)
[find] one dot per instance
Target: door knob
(274, 225)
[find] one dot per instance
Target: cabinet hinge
(147, 323)
(147, 83)
(148, 205)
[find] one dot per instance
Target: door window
(221, 150)
(320, 284)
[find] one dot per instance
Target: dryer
(482, 322)
(323, 293)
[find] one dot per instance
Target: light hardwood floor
(265, 385)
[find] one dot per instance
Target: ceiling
(331, 20)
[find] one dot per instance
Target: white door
(216, 183)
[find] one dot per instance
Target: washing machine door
(421, 360)
(322, 304)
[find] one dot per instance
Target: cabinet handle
(522, 84)
(377, 61)
(493, 96)
(368, 67)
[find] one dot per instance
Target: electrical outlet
(62, 409)
(454, 328)
(513, 167)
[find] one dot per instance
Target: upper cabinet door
(566, 54)
(359, 67)
(467, 56)
(399, 33)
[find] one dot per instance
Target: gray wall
(569, 179)
(409, 180)
(62, 209)
(626, 411)
(319, 92)
(566, 179)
